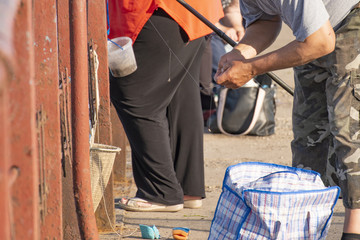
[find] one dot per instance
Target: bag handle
(258, 106)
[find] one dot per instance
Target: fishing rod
(231, 42)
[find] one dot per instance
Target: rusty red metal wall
(70, 221)
(7, 14)
(48, 118)
(105, 213)
(80, 123)
(44, 120)
(23, 143)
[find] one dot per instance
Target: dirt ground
(220, 152)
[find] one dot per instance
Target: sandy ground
(220, 152)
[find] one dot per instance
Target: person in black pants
(159, 106)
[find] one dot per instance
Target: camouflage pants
(326, 113)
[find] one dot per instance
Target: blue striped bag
(269, 201)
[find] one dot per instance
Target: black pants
(159, 107)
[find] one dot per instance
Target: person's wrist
(244, 51)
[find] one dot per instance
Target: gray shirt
(304, 17)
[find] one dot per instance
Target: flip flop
(141, 205)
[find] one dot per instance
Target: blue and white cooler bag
(269, 201)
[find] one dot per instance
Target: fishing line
(169, 66)
(232, 43)
(174, 54)
(183, 66)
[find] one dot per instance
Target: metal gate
(45, 71)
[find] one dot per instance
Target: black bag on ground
(248, 110)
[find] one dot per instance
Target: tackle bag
(248, 110)
(269, 201)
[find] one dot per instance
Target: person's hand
(233, 29)
(233, 26)
(233, 70)
(233, 20)
(234, 34)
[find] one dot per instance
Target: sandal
(141, 205)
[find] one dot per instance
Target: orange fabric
(127, 17)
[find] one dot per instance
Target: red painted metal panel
(48, 118)
(70, 220)
(24, 191)
(7, 10)
(97, 34)
(63, 23)
(30, 143)
(80, 121)
(4, 154)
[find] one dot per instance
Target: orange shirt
(127, 17)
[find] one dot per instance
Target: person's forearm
(232, 20)
(296, 53)
(234, 6)
(259, 36)
(240, 65)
